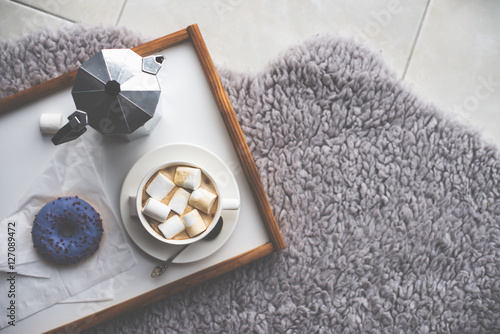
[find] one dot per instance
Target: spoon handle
(160, 269)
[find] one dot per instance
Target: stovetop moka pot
(116, 92)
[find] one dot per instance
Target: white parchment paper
(74, 171)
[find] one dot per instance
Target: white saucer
(187, 152)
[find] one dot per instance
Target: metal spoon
(162, 267)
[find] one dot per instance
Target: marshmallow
(194, 223)
(171, 227)
(156, 209)
(202, 199)
(188, 177)
(160, 187)
(179, 201)
(50, 123)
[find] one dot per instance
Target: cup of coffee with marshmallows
(180, 202)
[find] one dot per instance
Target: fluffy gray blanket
(389, 209)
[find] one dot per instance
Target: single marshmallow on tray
(156, 209)
(188, 177)
(50, 123)
(203, 200)
(179, 201)
(171, 227)
(160, 187)
(194, 223)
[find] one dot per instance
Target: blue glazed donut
(66, 230)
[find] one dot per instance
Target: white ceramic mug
(222, 203)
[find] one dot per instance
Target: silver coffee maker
(117, 93)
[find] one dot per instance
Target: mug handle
(131, 206)
(230, 204)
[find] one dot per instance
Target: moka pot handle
(76, 127)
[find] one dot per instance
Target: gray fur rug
(390, 210)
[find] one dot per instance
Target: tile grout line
(415, 41)
(121, 12)
(17, 2)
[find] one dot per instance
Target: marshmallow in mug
(202, 200)
(156, 209)
(160, 186)
(179, 201)
(194, 223)
(188, 177)
(171, 227)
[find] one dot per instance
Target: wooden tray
(189, 35)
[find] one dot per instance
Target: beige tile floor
(446, 50)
